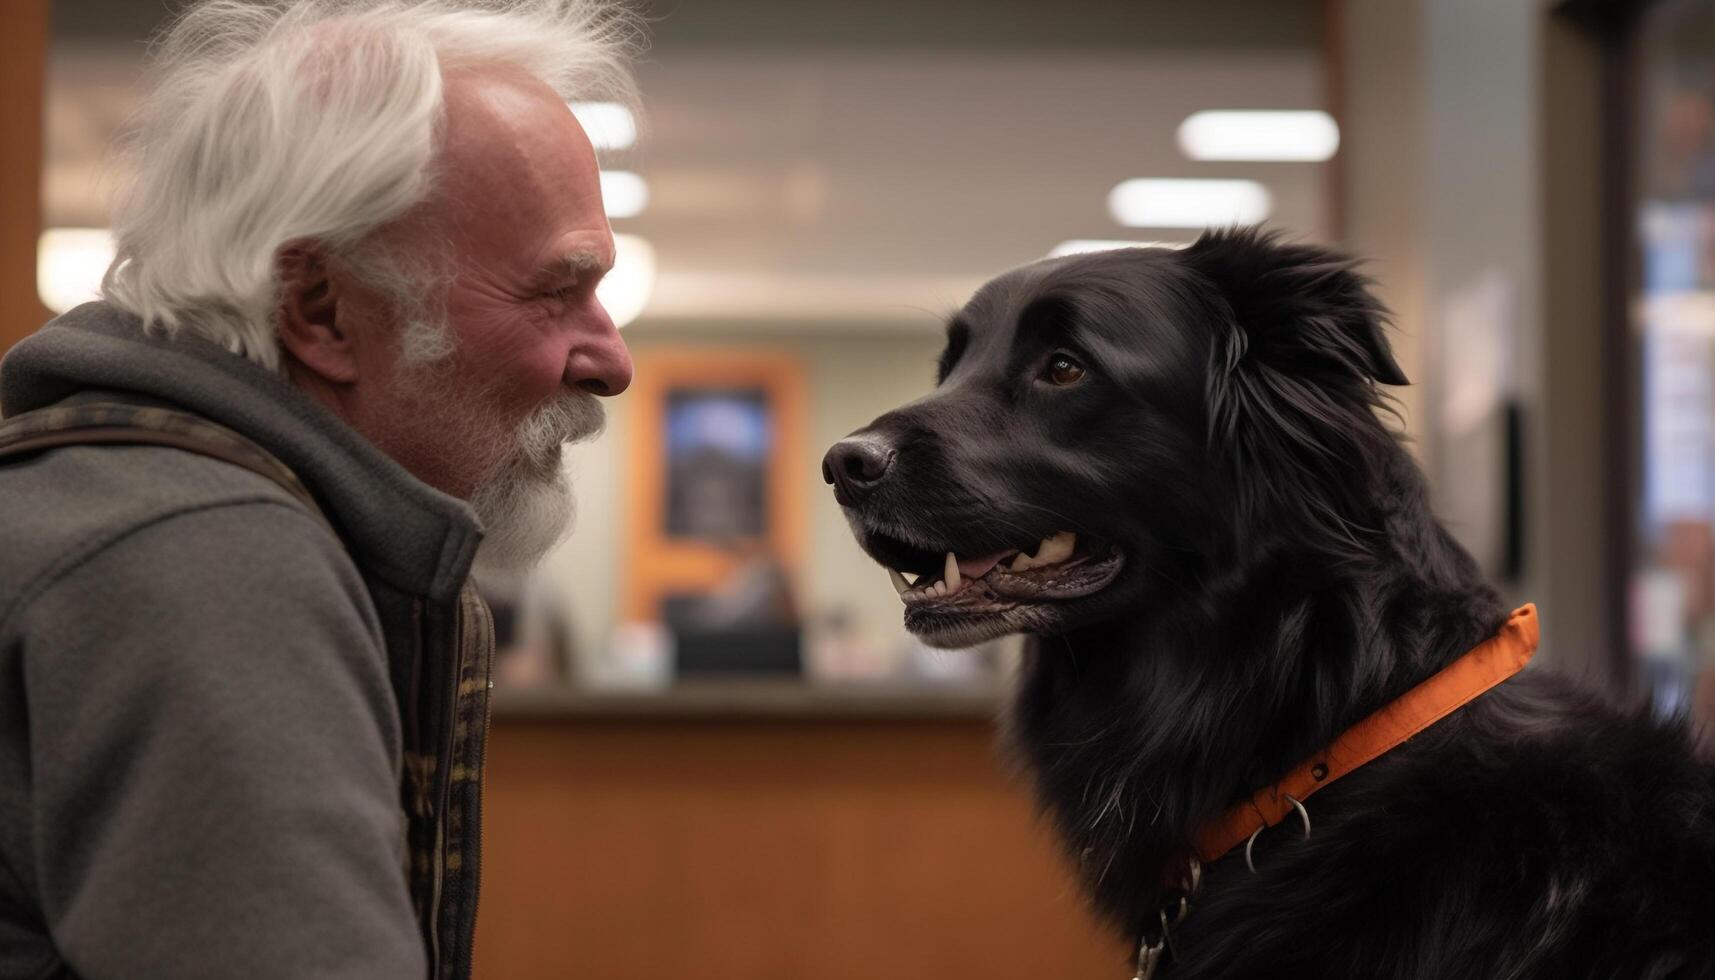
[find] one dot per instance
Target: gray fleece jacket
(232, 741)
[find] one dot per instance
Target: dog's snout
(855, 466)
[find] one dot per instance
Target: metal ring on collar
(1303, 815)
(1188, 886)
(1149, 957)
(1194, 877)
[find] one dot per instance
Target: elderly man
(243, 680)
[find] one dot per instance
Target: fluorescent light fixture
(69, 265)
(624, 193)
(625, 290)
(1149, 202)
(1259, 134)
(1078, 246)
(609, 125)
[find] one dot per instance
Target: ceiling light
(624, 193)
(1148, 202)
(1078, 246)
(69, 265)
(1259, 134)
(625, 290)
(609, 125)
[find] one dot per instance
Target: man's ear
(307, 315)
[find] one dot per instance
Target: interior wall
(1482, 240)
(1381, 146)
(1513, 196)
(1471, 181)
(1576, 522)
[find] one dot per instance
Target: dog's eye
(1062, 370)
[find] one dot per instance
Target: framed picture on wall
(717, 475)
(719, 442)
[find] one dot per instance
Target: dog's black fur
(1280, 576)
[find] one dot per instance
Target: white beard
(525, 500)
(527, 506)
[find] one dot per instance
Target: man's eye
(566, 293)
(1063, 370)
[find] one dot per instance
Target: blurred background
(715, 751)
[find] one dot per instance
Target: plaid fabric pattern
(443, 796)
(118, 422)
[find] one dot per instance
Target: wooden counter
(734, 836)
(757, 699)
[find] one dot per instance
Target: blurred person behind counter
(351, 323)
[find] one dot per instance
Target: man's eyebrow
(571, 265)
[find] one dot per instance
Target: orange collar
(1488, 664)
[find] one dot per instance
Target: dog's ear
(1296, 358)
(1298, 308)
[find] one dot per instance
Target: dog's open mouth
(971, 595)
(1059, 569)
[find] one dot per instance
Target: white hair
(280, 121)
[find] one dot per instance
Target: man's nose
(600, 363)
(856, 466)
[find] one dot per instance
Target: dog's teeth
(951, 573)
(1056, 548)
(899, 583)
(1051, 550)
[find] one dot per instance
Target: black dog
(1167, 469)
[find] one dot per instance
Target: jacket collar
(397, 527)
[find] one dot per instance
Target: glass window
(1672, 614)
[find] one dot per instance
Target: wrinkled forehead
(516, 170)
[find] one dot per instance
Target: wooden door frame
(658, 564)
(23, 87)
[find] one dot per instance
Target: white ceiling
(883, 182)
(854, 183)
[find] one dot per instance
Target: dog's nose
(855, 465)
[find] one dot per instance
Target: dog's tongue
(978, 567)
